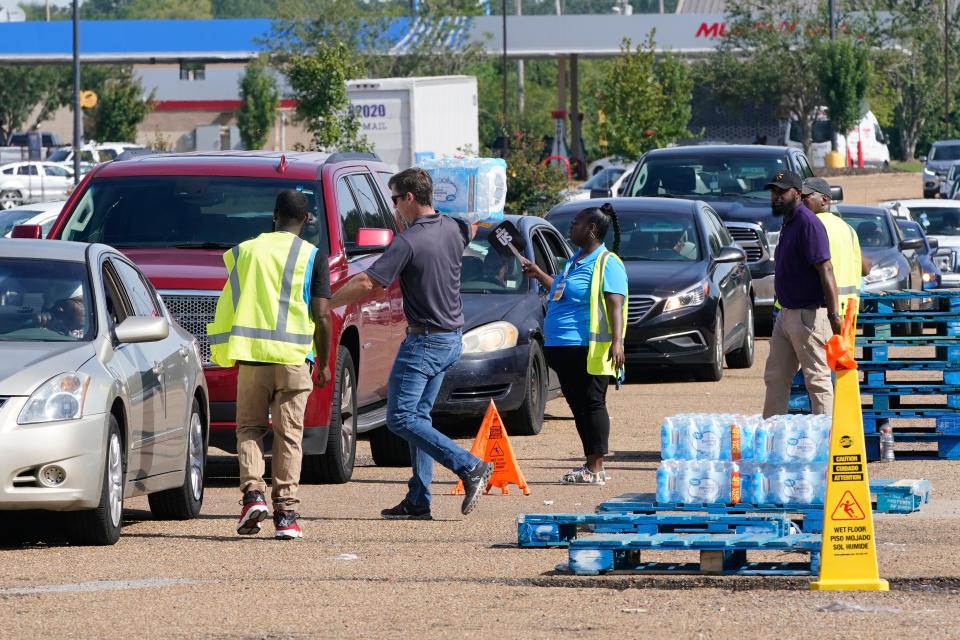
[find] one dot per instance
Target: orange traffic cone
(492, 445)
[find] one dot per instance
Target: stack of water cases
(473, 189)
(733, 459)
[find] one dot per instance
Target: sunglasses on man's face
(396, 197)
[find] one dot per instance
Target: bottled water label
(798, 491)
(802, 448)
(707, 444)
(703, 490)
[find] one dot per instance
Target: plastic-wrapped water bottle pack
(730, 458)
(472, 189)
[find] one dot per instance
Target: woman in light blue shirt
(566, 332)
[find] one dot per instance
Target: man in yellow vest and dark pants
(848, 265)
(272, 314)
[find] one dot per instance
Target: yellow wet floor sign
(848, 551)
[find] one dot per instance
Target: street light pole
(77, 120)
(946, 68)
(506, 129)
(832, 16)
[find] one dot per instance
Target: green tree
(146, 9)
(318, 81)
(532, 187)
(844, 72)
(244, 8)
(37, 12)
(120, 110)
(646, 100)
(259, 98)
(30, 94)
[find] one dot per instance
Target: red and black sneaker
(254, 512)
(286, 525)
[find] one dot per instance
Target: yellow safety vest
(845, 258)
(601, 331)
(262, 315)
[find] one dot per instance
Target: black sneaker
(407, 511)
(253, 512)
(285, 523)
(474, 483)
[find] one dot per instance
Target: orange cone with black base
(492, 445)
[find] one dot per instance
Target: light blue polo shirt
(568, 319)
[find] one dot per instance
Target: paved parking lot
(356, 576)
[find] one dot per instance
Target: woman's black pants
(586, 394)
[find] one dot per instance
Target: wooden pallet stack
(908, 346)
(614, 537)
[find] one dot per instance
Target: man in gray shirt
(427, 258)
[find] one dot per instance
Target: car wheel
(101, 526)
(713, 370)
(184, 502)
(742, 358)
(336, 465)
(10, 199)
(389, 449)
(528, 419)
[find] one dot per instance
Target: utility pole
(521, 80)
(77, 119)
(46, 4)
(946, 68)
(506, 128)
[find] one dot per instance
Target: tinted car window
(486, 271)
(945, 152)
(938, 221)
(671, 237)
(54, 170)
(186, 211)
(697, 176)
(556, 247)
(604, 179)
(369, 204)
(872, 229)
(60, 155)
(10, 219)
(138, 292)
(351, 218)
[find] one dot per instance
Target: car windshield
(44, 301)
(604, 179)
(698, 177)
(871, 228)
(945, 152)
(59, 155)
(938, 221)
(10, 219)
(186, 211)
(651, 236)
(486, 271)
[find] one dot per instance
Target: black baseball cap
(785, 180)
(815, 185)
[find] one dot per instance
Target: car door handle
(184, 352)
(157, 369)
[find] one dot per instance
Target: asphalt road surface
(357, 576)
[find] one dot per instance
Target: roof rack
(340, 156)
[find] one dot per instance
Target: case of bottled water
(698, 482)
(795, 439)
(703, 436)
(473, 189)
(783, 483)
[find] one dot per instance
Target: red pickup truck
(176, 214)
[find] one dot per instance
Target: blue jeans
(411, 391)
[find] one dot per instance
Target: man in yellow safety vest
(273, 312)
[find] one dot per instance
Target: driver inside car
(67, 316)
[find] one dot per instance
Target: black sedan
(690, 293)
(893, 258)
(503, 315)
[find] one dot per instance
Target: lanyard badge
(558, 291)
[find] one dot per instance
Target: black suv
(730, 178)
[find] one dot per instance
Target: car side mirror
(30, 231)
(911, 244)
(934, 244)
(923, 158)
(836, 193)
(373, 240)
(731, 254)
(141, 329)
(601, 193)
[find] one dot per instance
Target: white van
(875, 151)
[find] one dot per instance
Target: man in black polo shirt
(807, 291)
(427, 258)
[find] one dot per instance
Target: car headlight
(59, 398)
(691, 297)
(928, 172)
(880, 273)
(490, 337)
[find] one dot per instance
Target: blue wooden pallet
(723, 554)
(946, 422)
(884, 405)
(900, 496)
(943, 299)
(948, 445)
(558, 529)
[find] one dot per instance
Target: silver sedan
(102, 394)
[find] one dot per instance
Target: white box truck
(408, 119)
